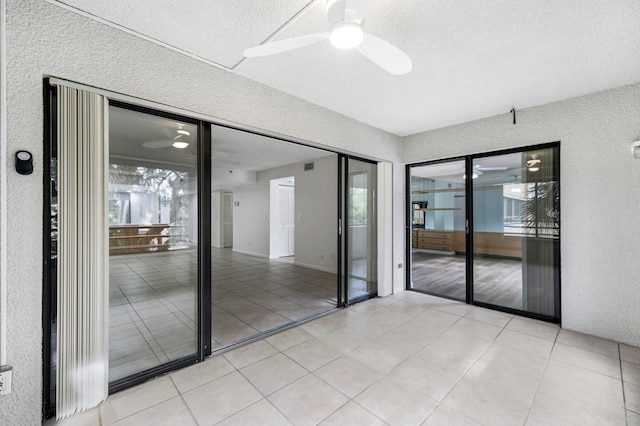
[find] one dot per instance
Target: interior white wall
(600, 201)
(42, 40)
(216, 219)
(251, 219)
(316, 210)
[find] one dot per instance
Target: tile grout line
(546, 365)
(624, 397)
(467, 370)
(181, 395)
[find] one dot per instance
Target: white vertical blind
(83, 302)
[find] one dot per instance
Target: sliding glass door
(438, 220)
(516, 225)
(359, 230)
(213, 237)
(485, 229)
(153, 241)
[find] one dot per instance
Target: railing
(130, 239)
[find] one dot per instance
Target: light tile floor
(152, 303)
(408, 359)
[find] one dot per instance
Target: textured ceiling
(471, 59)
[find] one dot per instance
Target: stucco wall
(600, 200)
(47, 40)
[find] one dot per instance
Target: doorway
(282, 232)
(485, 229)
(438, 221)
(177, 290)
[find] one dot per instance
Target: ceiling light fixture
(533, 162)
(346, 35)
(534, 169)
(180, 144)
(183, 132)
(474, 175)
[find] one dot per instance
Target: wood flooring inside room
(497, 281)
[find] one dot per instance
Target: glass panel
(273, 232)
(153, 241)
(516, 230)
(362, 239)
(438, 221)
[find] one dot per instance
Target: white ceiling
(471, 59)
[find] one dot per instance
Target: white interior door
(286, 216)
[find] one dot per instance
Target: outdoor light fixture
(346, 35)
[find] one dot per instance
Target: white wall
(216, 218)
(44, 39)
(600, 199)
(316, 212)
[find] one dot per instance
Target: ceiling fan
(181, 141)
(346, 20)
(478, 170)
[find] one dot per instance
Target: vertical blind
(82, 277)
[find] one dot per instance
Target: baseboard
(250, 253)
(442, 252)
(314, 267)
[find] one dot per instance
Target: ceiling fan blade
(157, 144)
(357, 10)
(385, 55)
(487, 169)
(336, 11)
(284, 45)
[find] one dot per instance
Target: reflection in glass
(362, 240)
(516, 230)
(152, 241)
(273, 231)
(438, 229)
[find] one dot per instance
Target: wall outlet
(5, 380)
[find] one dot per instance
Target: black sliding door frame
(469, 230)
(204, 252)
(203, 334)
(49, 278)
(343, 232)
(557, 316)
(409, 224)
(203, 285)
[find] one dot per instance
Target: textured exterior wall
(47, 40)
(600, 200)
